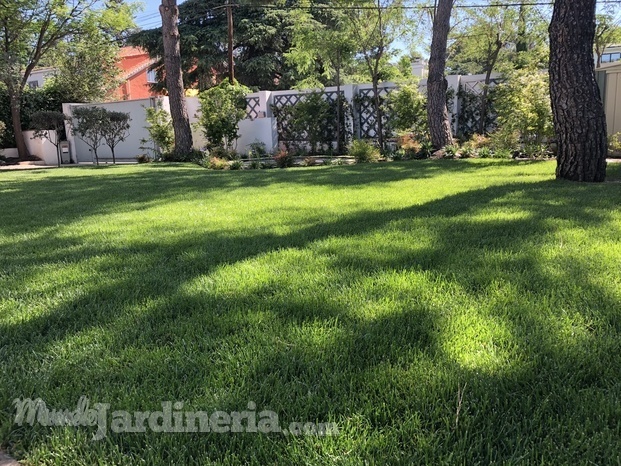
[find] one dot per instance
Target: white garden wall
(126, 151)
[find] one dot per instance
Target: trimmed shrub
(364, 152)
(222, 108)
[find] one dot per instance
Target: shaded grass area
(370, 296)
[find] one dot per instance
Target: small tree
(115, 129)
(89, 126)
(222, 108)
(160, 129)
(44, 123)
(524, 110)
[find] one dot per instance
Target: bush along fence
(313, 121)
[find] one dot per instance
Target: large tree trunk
(16, 117)
(229, 20)
(174, 77)
(437, 113)
(488, 79)
(579, 119)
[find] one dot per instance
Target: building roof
(131, 52)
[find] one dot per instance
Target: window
(33, 84)
(606, 58)
(615, 57)
(151, 76)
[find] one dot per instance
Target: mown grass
(369, 296)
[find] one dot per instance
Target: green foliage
(224, 153)
(89, 124)
(216, 163)
(261, 37)
(115, 130)
(32, 101)
(236, 165)
(160, 128)
(470, 116)
(364, 151)
(312, 117)
(524, 110)
(222, 108)
(312, 121)
(408, 110)
(2, 129)
(45, 122)
(607, 32)
(497, 38)
(614, 145)
(257, 150)
(194, 156)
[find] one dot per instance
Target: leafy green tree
(89, 124)
(160, 129)
(222, 108)
(44, 123)
(29, 31)
(324, 39)
(375, 26)
(487, 41)
(607, 32)
(524, 110)
(115, 130)
(261, 37)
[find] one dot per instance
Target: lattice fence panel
(367, 115)
(252, 108)
(469, 121)
(284, 102)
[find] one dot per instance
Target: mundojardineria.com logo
(171, 418)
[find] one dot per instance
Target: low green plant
(451, 151)
(614, 145)
(236, 165)
(502, 153)
(363, 151)
(143, 158)
(485, 153)
(194, 156)
(257, 150)
(468, 152)
(224, 153)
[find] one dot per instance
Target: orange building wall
(136, 85)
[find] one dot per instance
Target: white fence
(261, 124)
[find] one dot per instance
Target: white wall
(126, 151)
(42, 147)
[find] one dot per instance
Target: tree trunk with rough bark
(229, 20)
(16, 119)
(579, 119)
(437, 113)
(174, 78)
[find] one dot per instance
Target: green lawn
(371, 296)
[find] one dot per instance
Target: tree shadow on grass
(164, 327)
